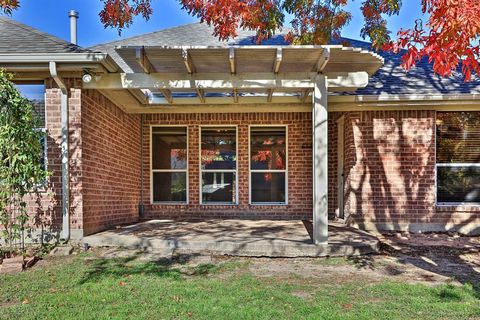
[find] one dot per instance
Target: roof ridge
(39, 32)
(144, 34)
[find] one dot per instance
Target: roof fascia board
(405, 97)
(101, 58)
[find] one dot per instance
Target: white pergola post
(320, 161)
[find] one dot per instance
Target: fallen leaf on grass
(122, 284)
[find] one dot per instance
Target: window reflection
(268, 164)
(169, 164)
(458, 157)
(219, 148)
(218, 164)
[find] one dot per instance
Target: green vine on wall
(21, 171)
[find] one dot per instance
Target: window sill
(458, 206)
(169, 203)
(280, 204)
(219, 204)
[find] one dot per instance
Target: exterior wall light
(87, 78)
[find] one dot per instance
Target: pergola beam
(168, 95)
(143, 61)
(231, 58)
(278, 60)
(201, 95)
(322, 62)
(304, 95)
(187, 60)
(235, 95)
(139, 95)
(158, 81)
(269, 95)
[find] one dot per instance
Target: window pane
(36, 94)
(268, 187)
(458, 137)
(218, 187)
(268, 148)
(458, 184)
(219, 148)
(170, 186)
(169, 148)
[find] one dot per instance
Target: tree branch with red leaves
(449, 39)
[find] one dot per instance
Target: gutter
(71, 58)
(65, 233)
(403, 97)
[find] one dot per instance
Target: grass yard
(85, 287)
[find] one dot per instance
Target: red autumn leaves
(119, 14)
(448, 38)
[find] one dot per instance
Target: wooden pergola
(181, 77)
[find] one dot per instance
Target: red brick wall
(299, 166)
(332, 164)
(390, 168)
(111, 147)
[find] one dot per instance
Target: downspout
(141, 205)
(65, 233)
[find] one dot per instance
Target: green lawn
(86, 288)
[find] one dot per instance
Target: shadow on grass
(445, 261)
(450, 294)
(175, 267)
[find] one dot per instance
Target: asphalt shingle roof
(16, 37)
(391, 79)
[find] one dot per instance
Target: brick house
(175, 124)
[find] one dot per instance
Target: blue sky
(51, 16)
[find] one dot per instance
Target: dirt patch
(302, 295)
(370, 269)
(427, 258)
(429, 240)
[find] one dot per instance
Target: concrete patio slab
(259, 238)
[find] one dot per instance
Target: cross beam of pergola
(272, 75)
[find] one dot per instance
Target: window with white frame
(458, 157)
(218, 152)
(268, 165)
(35, 93)
(169, 159)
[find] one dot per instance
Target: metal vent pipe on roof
(73, 15)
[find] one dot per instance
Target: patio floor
(262, 238)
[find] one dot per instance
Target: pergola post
(320, 160)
